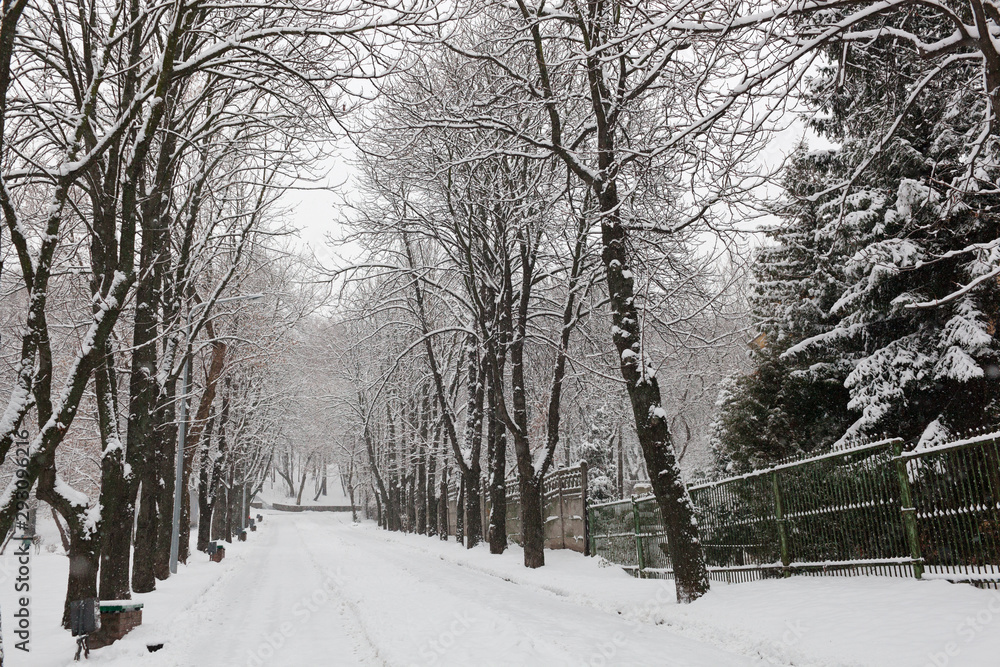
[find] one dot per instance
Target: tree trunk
(302, 483)
(681, 527)
(227, 521)
(236, 501)
(431, 498)
(220, 497)
(496, 458)
(117, 493)
(204, 517)
(205, 488)
(472, 471)
(392, 502)
(83, 562)
(532, 522)
(473, 508)
(411, 503)
(219, 511)
(143, 579)
(164, 504)
(381, 492)
(84, 538)
(532, 530)
(443, 527)
(460, 511)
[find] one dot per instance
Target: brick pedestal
(114, 626)
(216, 552)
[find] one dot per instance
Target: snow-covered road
(280, 606)
(312, 589)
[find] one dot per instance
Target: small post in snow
(779, 515)
(908, 510)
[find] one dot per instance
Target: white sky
(316, 208)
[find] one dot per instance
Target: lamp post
(175, 536)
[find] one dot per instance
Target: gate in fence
(877, 508)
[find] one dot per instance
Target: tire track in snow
(652, 615)
(348, 608)
(526, 616)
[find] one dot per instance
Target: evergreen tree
(788, 406)
(858, 284)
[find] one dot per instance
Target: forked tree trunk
(195, 431)
(605, 89)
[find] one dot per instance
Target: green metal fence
(871, 509)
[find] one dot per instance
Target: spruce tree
(858, 284)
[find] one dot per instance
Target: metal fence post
(640, 559)
(908, 511)
(779, 515)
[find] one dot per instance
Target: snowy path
(276, 604)
(421, 609)
(313, 590)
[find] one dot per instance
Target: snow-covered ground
(276, 491)
(311, 589)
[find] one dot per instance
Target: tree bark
(206, 484)
(443, 527)
(460, 511)
(496, 455)
(680, 525)
(215, 369)
(165, 446)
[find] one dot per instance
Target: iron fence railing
(870, 509)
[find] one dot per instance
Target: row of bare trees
(526, 168)
(487, 260)
(143, 148)
(538, 163)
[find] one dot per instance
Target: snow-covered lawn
(311, 589)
